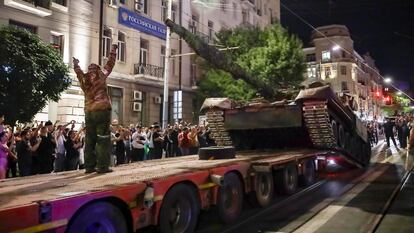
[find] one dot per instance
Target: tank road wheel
(216, 152)
(99, 217)
(230, 198)
(341, 136)
(179, 210)
(308, 176)
(265, 188)
(288, 179)
(334, 126)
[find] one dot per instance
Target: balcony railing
(38, 7)
(149, 70)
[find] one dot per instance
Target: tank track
(318, 124)
(215, 119)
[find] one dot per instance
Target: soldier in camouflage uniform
(97, 114)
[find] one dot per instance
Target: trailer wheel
(216, 152)
(265, 188)
(99, 217)
(288, 180)
(308, 176)
(341, 136)
(230, 198)
(179, 210)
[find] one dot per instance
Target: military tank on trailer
(316, 118)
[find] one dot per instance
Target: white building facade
(334, 60)
(136, 26)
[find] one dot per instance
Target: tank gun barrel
(218, 59)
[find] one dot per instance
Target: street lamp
(387, 80)
(336, 48)
(399, 93)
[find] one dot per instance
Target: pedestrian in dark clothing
(24, 153)
(158, 140)
(389, 132)
(72, 151)
(174, 138)
(46, 151)
(120, 147)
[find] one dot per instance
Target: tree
(31, 73)
(270, 55)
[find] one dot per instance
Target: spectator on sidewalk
(389, 132)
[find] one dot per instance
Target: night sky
(384, 28)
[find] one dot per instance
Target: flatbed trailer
(168, 193)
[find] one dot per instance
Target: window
(116, 100)
(343, 54)
(193, 24)
(122, 1)
(223, 5)
(234, 10)
(112, 2)
(344, 86)
(245, 16)
(173, 12)
(106, 42)
(343, 70)
(326, 56)
(327, 72)
(178, 105)
(173, 62)
(56, 40)
(121, 47)
(60, 2)
(162, 60)
(210, 30)
(163, 10)
(310, 57)
(27, 27)
(311, 72)
(143, 55)
(141, 6)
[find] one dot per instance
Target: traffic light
(387, 100)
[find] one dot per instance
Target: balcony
(37, 7)
(149, 71)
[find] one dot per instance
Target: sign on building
(141, 23)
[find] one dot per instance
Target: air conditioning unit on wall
(136, 107)
(137, 95)
(158, 100)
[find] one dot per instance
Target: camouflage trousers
(97, 140)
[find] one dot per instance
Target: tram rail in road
(297, 225)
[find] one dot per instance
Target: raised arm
(78, 71)
(111, 61)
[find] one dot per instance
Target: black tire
(341, 137)
(288, 179)
(265, 188)
(216, 152)
(308, 176)
(98, 217)
(179, 210)
(230, 198)
(334, 126)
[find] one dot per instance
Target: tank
(316, 118)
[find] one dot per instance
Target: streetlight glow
(387, 80)
(336, 48)
(399, 93)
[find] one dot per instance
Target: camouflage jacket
(94, 86)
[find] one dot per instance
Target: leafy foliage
(31, 73)
(270, 55)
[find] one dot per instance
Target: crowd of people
(399, 126)
(46, 147)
